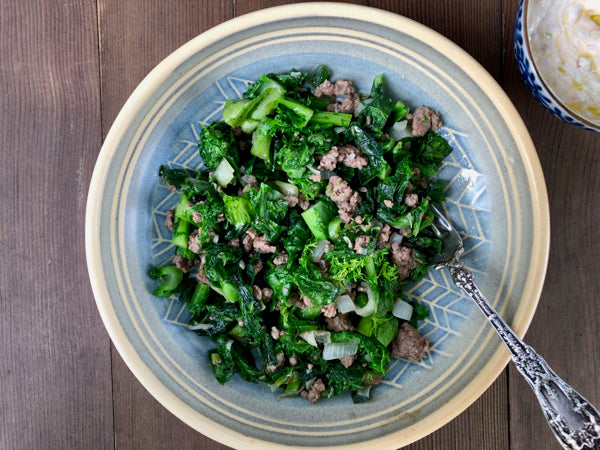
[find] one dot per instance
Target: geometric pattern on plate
(466, 204)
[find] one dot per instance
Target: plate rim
(536, 183)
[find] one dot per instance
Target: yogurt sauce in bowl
(564, 38)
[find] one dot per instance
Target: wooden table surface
(66, 68)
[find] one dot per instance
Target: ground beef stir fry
(294, 243)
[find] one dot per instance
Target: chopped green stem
(170, 276)
(332, 119)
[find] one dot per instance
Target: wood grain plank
(565, 327)
(246, 6)
(142, 422)
(55, 386)
(136, 35)
(128, 53)
(476, 26)
(483, 426)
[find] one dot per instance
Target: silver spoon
(573, 420)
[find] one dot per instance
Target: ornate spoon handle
(573, 420)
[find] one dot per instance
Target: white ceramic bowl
(496, 196)
(534, 78)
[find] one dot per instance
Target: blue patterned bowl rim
(535, 81)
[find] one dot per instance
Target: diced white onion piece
(322, 336)
(400, 130)
(364, 393)
(327, 174)
(347, 241)
(371, 305)
(402, 310)
(200, 326)
(224, 173)
(287, 188)
(313, 170)
(228, 344)
(316, 337)
(337, 350)
(308, 384)
(397, 238)
(319, 250)
(345, 304)
(358, 109)
(309, 336)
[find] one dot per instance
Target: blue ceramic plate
(496, 196)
